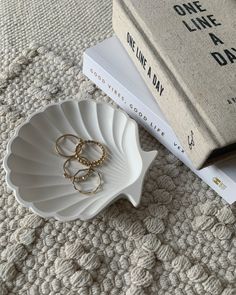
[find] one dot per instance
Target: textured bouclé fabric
(181, 240)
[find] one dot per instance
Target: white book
(110, 68)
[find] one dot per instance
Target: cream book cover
(186, 54)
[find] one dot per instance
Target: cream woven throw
(181, 240)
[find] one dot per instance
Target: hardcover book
(110, 68)
(186, 54)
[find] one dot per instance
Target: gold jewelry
(84, 160)
(59, 139)
(82, 174)
(77, 178)
(92, 191)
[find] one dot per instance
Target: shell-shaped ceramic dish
(34, 170)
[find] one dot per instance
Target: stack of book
(176, 77)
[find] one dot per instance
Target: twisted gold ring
(77, 178)
(84, 160)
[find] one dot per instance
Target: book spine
(213, 176)
(195, 136)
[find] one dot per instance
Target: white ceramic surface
(34, 170)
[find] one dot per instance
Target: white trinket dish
(34, 170)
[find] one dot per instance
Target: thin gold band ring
(58, 148)
(92, 191)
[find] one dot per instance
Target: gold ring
(92, 191)
(58, 148)
(77, 178)
(84, 160)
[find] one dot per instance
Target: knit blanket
(181, 239)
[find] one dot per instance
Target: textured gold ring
(92, 191)
(83, 160)
(77, 178)
(58, 142)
